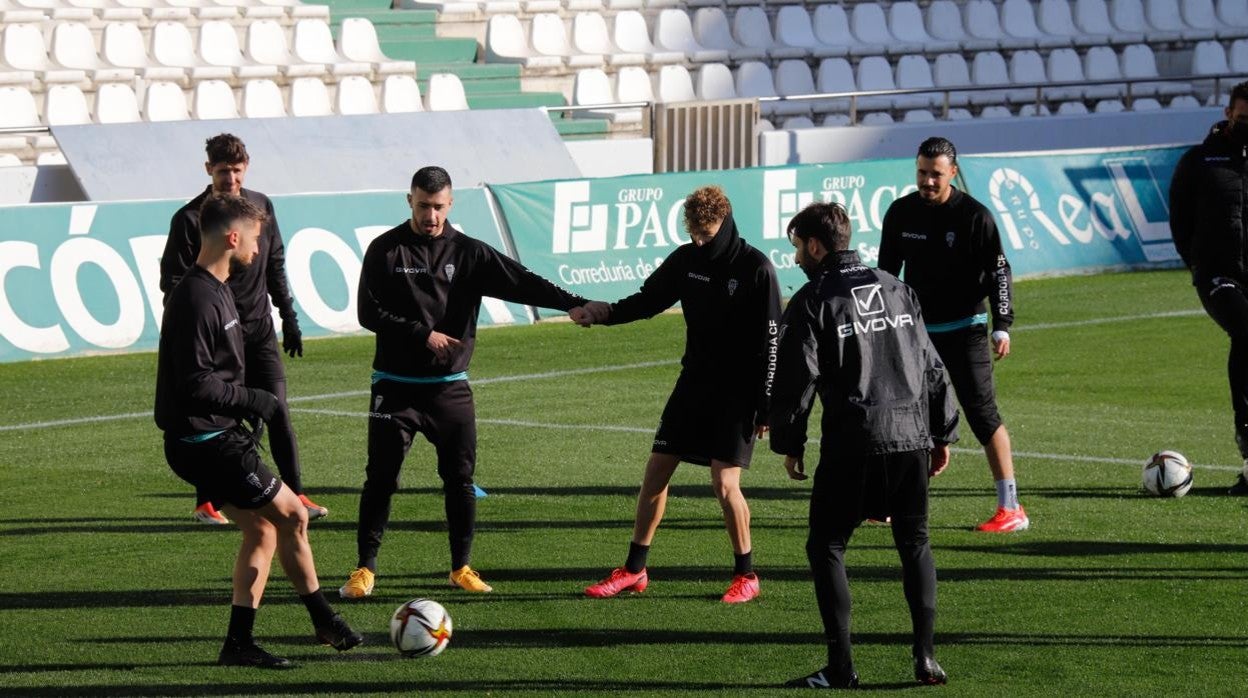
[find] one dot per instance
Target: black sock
(743, 563)
(318, 607)
(242, 621)
(636, 557)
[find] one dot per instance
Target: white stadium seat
(632, 36)
(905, 21)
(1139, 62)
(1018, 19)
(218, 45)
(674, 32)
(675, 84)
(989, 69)
(262, 99)
(505, 42)
(355, 96)
(835, 76)
(1064, 65)
(122, 45)
(1092, 18)
(1026, 67)
(797, 122)
(714, 81)
(400, 94)
(358, 41)
(712, 30)
(446, 93)
(116, 103)
(1238, 56)
(1128, 15)
(164, 101)
(830, 25)
(916, 116)
(1055, 17)
(548, 36)
(313, 43)
(172, 46)
(213, 99)
(1165, 15)
(793, 28)
(65, 104)
(18, 108)
(1101, 63)
(949, 72)
(74, 47)
(309, 97)
(1234, 13)
(751, 28)
(23, 48)
(867, 22)
(1033, 110)
(266, 43)
(754, 79)
(590, 35)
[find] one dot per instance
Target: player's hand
(581, 316)
(262, 404)
(598, 311)
(796, 467)
(761, 430)
(939, 461)
(1001, 344)
(443, 346)
(292, 338)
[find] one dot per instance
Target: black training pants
(1224, 299)
(444, 413)
(848, 489)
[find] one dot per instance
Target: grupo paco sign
(86, 278)
(601, 238)
(1070, 211)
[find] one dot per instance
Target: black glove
(262, 404)
(292, 338)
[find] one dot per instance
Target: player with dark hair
(1209, 224)
(201, 398)
(731, 303)
(951, 251)
(856, 336)
(252, 287)
(420, 293)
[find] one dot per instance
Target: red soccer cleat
(208, 514)
(1006, 521)
(315, 511)
(743, 588)
(619, 580)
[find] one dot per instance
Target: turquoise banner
(82, 279)
(602, 237)
(1078, 211)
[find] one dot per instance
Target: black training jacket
(1208, 207)
(199, 375)
(412, 284)
(252, 285)
(952, 255)
(856, 335)
(731, 301)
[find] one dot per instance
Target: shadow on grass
(373, 687)
(796, 492)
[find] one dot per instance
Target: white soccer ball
(1168, 474)
(420, 628)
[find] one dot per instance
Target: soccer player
(201, 397)
(731, 303)
(252, 286)
(951, 251)
(420, 293)
(1209, 224)
(856, 335)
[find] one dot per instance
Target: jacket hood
(725, 242)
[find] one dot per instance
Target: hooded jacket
(731, 301)
(1208, 200)
(856, 336)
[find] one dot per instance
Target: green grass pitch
(108, 588)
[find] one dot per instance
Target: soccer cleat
(743, 588)
(467, 579)
(824, 679)
(928, 672)
(619, 580)
(359, 584)
(1240, 488)
(207, 514)
(251, 655)
(315, 511)
(1006, 521)
(338, 635)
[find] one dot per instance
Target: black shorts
(702, 423)
(225, 470)
(967, 355)
(849, 488)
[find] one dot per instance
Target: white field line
(645, 430)
(1107, 320)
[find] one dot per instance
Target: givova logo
(781, 201)
(579, 226)
(869, 311)
(869, 299)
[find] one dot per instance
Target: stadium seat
(905, 21)
(674, 32)
(1071, 108)
(1026, 67)
(589, 6)
(996, 111)
(1101, 63)
(309, 97)
(1064, 65)
(1128, 16)
(1185, 102)
(989, 69)
(65, 104)
(1145, 104)
(74, 47)
(752, 29)
(533, 7)
(878, 118)
(494, 7)
(867, 22)
(592, 87)
(1138, 63)
(17, 108)
(22, 47)
(960, 114)
(358, 41)
(950, 72)
(549, 37)
(631, 36)
(116, 103)
(915, 73)
(793, 78)
(122, 45)
(1237, 58)
(213, 99)
(711, 29)
(831, 28)
(875, 73)
(266, 43)
(632, 84)
(793, 28)
(835, 76)
(400, 94)
(1200, 15)
(446, 93)
(1018, 19)
(355, 95)
(164, 101)
(1054, 17)
(1234, 13)
(675, 84)
(944, 23)
(1209, 58)
(1109, 106)
(917, 116)
(1033, 110)
(834, 120)
(794, 123)
(1092, 18)
(262, 99)
(714, 81)
(218, 45)
(313, 43)
(590, 35)
(505, 42)
(983, 23)
(172, 46)
(754, 79)
(1165, 15)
